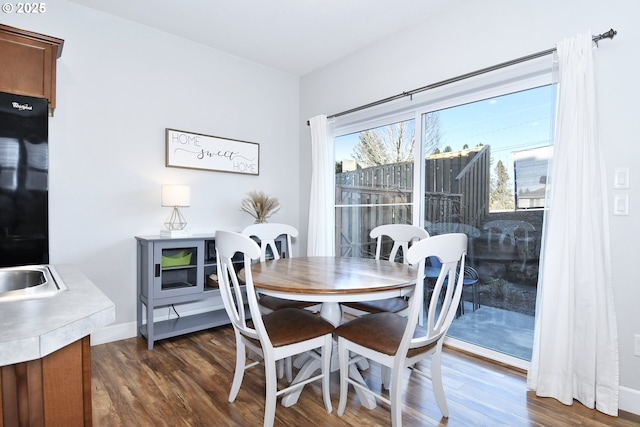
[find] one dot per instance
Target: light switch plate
(621, 204)
(621, 178)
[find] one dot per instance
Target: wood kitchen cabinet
(54, 391)
(29, 63)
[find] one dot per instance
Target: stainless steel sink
(27, 282)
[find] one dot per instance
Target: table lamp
(175, 196)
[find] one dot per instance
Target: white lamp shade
(176, 195)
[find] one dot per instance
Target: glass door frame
(528, 75)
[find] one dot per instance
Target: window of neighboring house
(477, 165)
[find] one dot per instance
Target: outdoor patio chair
(471, 279)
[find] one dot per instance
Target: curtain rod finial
(609, 34)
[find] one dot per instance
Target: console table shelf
(186, 324)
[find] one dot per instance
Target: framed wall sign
(197, 151)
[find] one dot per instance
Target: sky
(508, 123)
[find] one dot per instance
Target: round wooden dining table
(331, 281)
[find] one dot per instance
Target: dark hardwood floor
(185, 381)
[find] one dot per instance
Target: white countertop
(32, 329)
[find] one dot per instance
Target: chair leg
(326, 372)
(436, 379)
(288, 369)
(395, 394)
(476, 297)
(271, 390)
(284, 368)
(343, 355)
(239, 373)
(280, 368)
(386, 377)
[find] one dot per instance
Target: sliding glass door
(487, 179)
(476, 166)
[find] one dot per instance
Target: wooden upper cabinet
(29, 63)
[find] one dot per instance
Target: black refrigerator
(24, 165)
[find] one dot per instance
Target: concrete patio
(497, 329)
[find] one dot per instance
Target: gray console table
(175, 271)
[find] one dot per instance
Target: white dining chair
(397, 342)
(266, 234)
(276, 335)
(402, 236)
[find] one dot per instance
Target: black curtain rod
(608, 35)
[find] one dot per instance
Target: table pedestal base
(332, 312)
(309, 367)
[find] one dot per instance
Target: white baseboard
(112, 333)
(629, 400)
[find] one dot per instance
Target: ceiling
(295, 36)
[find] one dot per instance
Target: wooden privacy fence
(465, 173)
(389, 177)
(457, 190)
(364, 208)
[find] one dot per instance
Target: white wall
(119, 86)
(470, 35)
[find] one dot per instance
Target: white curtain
(321, 217)
(575, 353)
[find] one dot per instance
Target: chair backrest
(267, 233)
(403, 235)
(450, 250)
(228, 244)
